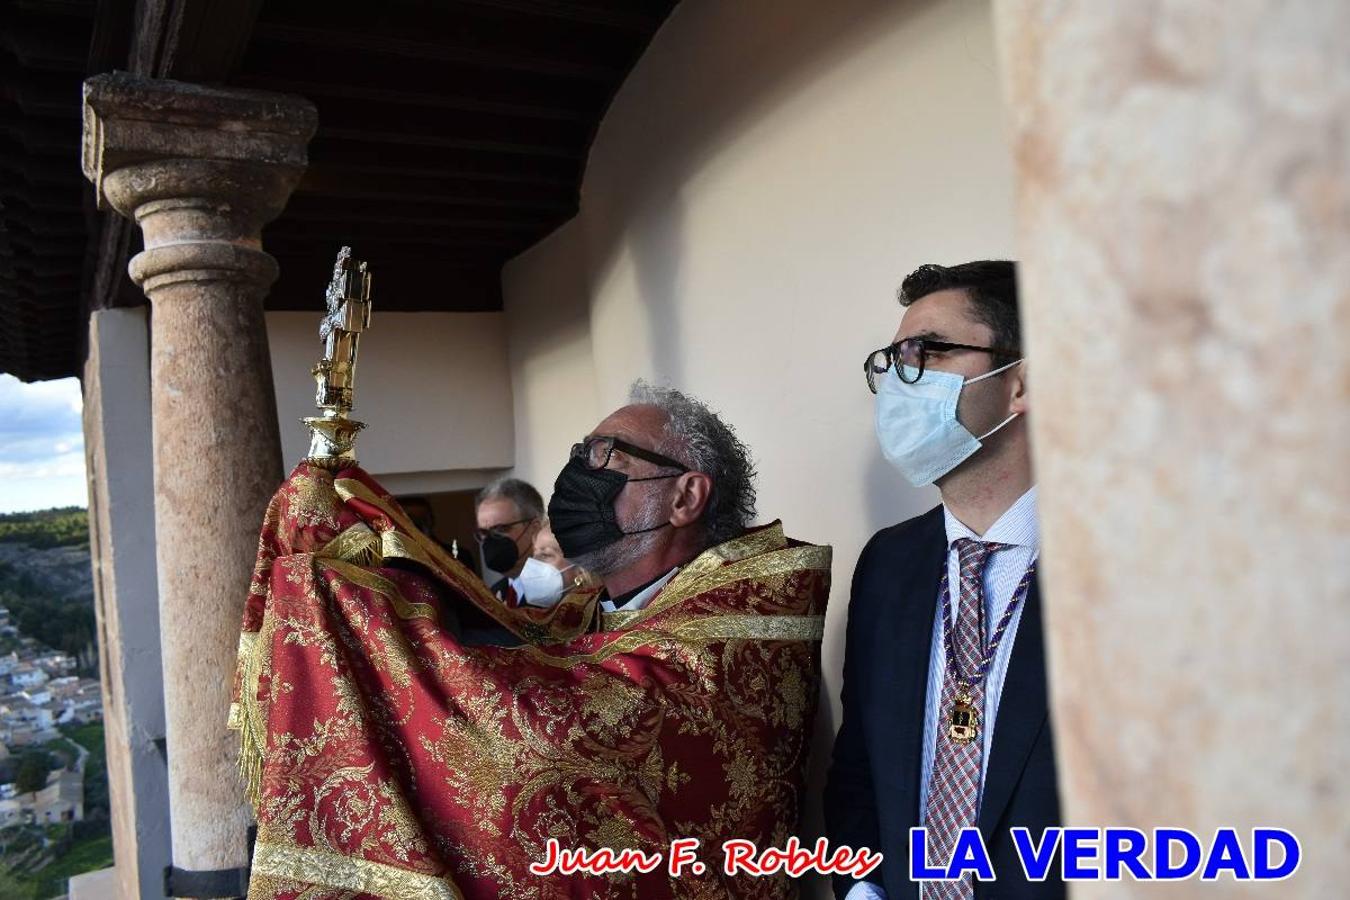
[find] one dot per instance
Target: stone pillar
(122, 544)
(1184, 223)
(201, 171)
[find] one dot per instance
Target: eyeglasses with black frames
(913, 353)
(596, 451)
(503, 529)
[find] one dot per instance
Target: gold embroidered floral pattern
(386, 759)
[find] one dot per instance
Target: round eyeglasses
(912, 354)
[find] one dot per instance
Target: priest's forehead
(642, 424)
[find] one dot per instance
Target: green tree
(47, 528)
(33, 769)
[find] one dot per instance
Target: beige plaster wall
(432, 388)
(765, 178)
(547, 297)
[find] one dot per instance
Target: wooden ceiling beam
(192, 40)
(48, 138)
(402, 139)
(622, 16)
(37, 100)
(45, 247)
(46, 226)
(450, 48)
(43, 46)
(551, 137)
(71, 9)
(27, 201)
(416, 253)
(458, 100)
(364, 159)
(42, 171)
(382, 216)
(440, 192)
(454, 134)
(435, 179)
(305, 207)
(525, 93)
(401, 285)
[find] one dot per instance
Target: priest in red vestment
(386, 759)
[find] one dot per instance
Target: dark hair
(705, 443)
(990, 284)
(527, 500)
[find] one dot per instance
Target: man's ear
(692, 490)
(532, 530)
(1019, 402)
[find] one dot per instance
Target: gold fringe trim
(358, 544)
(250, 742)
(338, 871)
(250, 763)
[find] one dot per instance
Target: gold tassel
(358, 545)
(242, 720)
(250, 763)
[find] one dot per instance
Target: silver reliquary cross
(333, 434)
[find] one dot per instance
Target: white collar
(642, 597)
(1017, 527)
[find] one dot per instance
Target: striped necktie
(954, 785)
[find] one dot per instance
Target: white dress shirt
(642, 597)
(1018, 529)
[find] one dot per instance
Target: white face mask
(540, 583)
(917, 425)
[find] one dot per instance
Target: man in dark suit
(945, 722)
(509, 514)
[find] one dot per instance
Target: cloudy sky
(41, 445)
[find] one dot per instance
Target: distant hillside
(58, 573)
(66, 527)
(46, 581)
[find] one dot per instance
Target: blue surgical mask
(917, 425)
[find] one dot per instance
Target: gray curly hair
(699, 438)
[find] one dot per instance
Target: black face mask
(581, 510)
(500, 553)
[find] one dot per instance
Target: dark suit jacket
(478, 629)
(872, 791)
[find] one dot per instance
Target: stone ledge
(101, 884)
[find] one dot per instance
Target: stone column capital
(130, 121)
(200, 170)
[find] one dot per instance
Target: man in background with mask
(510, 514)
(650, 488)
(945, 721)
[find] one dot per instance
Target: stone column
(201, 171)
(1184, 223)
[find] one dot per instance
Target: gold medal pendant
(963, 726)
